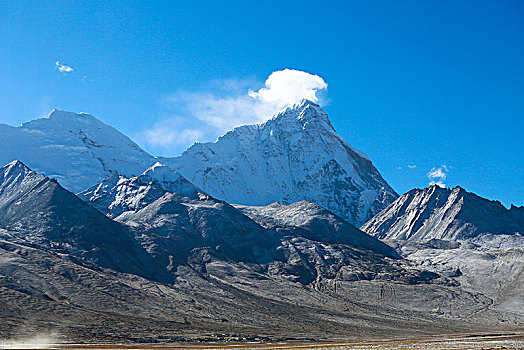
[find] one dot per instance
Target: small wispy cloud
(409, 166)
(171, 132)
(437, 176)
(206, 115)
(437, 173)
(62, 68)
(44, 106)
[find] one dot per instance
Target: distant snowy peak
(443, 213)
(118, 194)
(296, 155)
(64, 119)
(76, 149)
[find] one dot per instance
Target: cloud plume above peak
(207, 115)
(288, 86)
(437, 176)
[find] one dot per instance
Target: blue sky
(428, 89)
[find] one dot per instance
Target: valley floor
(470, 341)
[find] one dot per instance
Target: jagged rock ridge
(118, 193)
(443, 213)
(456, 233)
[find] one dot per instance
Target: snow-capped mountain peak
(296, 155)
(78, 150)
(305, 111)
(310, 115)
(66, 121)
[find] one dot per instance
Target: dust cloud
(37, 341)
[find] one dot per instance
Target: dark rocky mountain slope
(37, 211)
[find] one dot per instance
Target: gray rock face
(178, 227)
(458, 234)
(302, 242)
(311, 221)
(490, 264)
(37, 211)
(207, 267)
(296, 155)
(443, 213)
(178, 217)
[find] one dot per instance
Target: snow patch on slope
(118, 194)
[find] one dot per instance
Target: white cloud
(281, 89)
(231, 104)
(407, 166)
(170, 133)
(437, 173)
(222, 113)
(438, 183)
(288, 86)
(438, 176)
(44, 106)
(62, 68)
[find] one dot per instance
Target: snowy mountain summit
(296, 155)
(78, 150)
